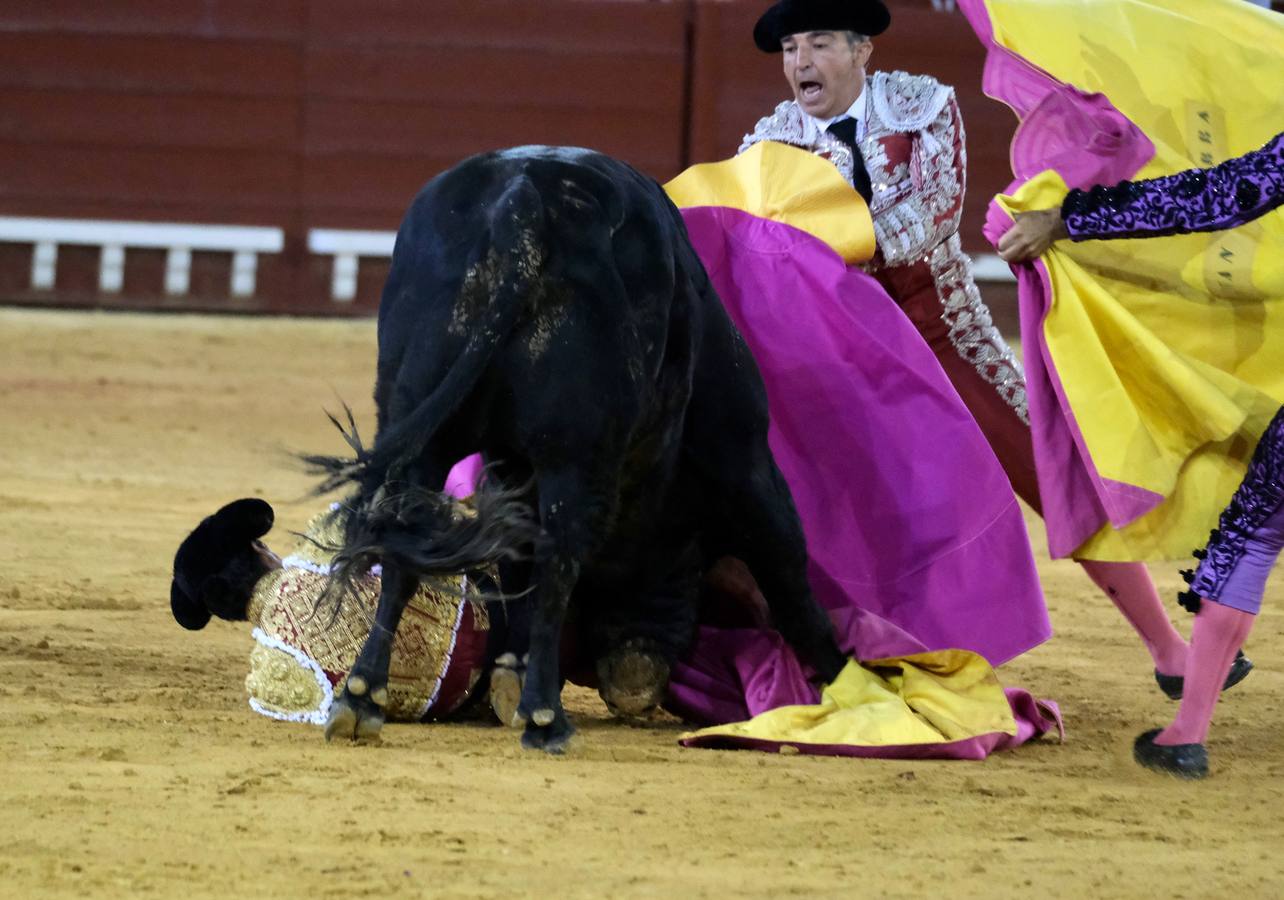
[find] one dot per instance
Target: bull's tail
(391, 517)
(511, 265)
(429, 534)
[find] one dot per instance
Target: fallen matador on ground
(447, 657)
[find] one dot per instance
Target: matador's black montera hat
(217, 549)
(867, 17)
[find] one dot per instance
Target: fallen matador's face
(265, 554)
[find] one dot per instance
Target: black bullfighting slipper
(1188, 761)
(1173, 685)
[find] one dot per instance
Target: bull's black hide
(545, 307)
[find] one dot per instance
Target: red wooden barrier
(398, 91)
(302, 114)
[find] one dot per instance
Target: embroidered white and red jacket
(914, 151)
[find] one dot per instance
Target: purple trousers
(1248, 539)
(1247, 581)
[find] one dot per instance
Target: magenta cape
(915, 538)
(1085, 139)
(907, 513)
(1152, 365)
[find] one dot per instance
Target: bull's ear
(187, 612)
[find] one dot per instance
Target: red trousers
(915, 290)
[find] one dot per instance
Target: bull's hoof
(547, 727)
(354, 719)
(505, 695)
(632, 681)
(553, 738)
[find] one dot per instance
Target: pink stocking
(1218, 634)
(1129, 585)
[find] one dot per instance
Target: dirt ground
(134, 767)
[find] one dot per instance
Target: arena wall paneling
(396, 93)
(151, 111)
(307, 114)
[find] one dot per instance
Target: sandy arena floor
(132, 765)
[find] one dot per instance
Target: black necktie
(845, 131)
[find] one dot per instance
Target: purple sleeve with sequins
(1237, 191)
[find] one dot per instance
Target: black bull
(545, 307)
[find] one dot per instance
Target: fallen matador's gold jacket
(302, 653)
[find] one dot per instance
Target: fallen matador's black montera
(545, 307)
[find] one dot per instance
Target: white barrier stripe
(111, 268)
(178, 271)
(44, 265)
(114, 238)
(343, 280)
(156, 235)
(346, 246)
(245, 265)
(333, 241)
(989, 267)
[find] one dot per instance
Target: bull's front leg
(358, 712)
(776, 550)
(762, 529)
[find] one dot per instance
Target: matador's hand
(1031, 236)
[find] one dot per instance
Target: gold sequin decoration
(285, 607)
(281, 684)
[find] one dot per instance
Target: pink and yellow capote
(917, 544)
(1153, 366)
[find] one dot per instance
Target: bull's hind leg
(572, 519)
(358, 712)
